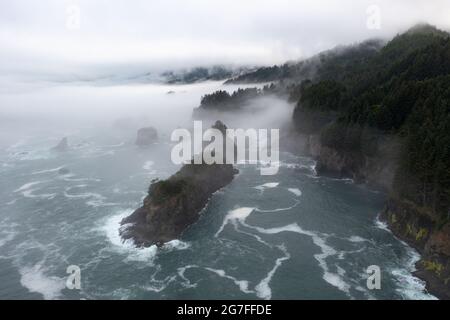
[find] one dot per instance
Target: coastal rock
(146, 136)
(174, 204)
(62, 146)
(427, 233)
(377, 170)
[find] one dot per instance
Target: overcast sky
(48, 36)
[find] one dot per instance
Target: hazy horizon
(101, 38)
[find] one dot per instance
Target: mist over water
(293, 235)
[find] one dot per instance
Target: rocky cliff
(430, 235)
(174, 204)
(424, 230)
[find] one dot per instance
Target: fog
(47, 44)
(82, 111)
(97, 37)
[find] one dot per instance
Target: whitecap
(48, 170)
(28, 185)
(186, 282)
(111, 230)
(268, 185)
(357, 239)
(176, 244)
(334, 279)
(35, 280)
(263, 289)
(148, 165)
(242, 284)
(295, 191)
(279, 209)
(237, 214)
(381, 224)
(411, 287)
(30, 194)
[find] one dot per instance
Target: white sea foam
(6, 235)
(268, 185)
(411, 287)
(35, 280)
(28, 185)
(334, 279)
(279, 209)
(30, 194)
(295, 191)
(111, 230)
(148, 165)
(263, 289)
(357, 239)
(176, 244)
(239, 214)
(48, 170)
(96, 200)
(381, 224)
(242, 284)
(186, 282)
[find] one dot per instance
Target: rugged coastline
(419, 227)
(172, 205)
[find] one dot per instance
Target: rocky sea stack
(62, 146)
(174, 204)
(146, 136)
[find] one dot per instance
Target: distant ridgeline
(222, 101)
(380, 113)
(197, 74)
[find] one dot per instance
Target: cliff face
(174, 204)
(417, 226)
(429, 235)
(377, 170)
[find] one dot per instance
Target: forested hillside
(382, 113)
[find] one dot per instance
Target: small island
(174, 204)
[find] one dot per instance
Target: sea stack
(174, 204)
(62, 146)
(146, 136)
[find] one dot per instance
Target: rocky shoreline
(172, 205)
(418, 227)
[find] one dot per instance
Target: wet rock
(62, 146)
(174, 204)
(146, 136)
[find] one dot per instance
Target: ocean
(293, 235)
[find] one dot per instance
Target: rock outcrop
(427, 233)
(146, 136)
(377, 170)
(62, 146)
(174, 204)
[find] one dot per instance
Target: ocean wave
(409, 286)
(48, 170)
(279, 209)
(295, 191)
(263, 289)
(381, 224)
(335, 279)
(242, 284)
(36, 280)
(28, 192)
(112, 229)
(148, 165)
(28, 185)
(239, 214)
